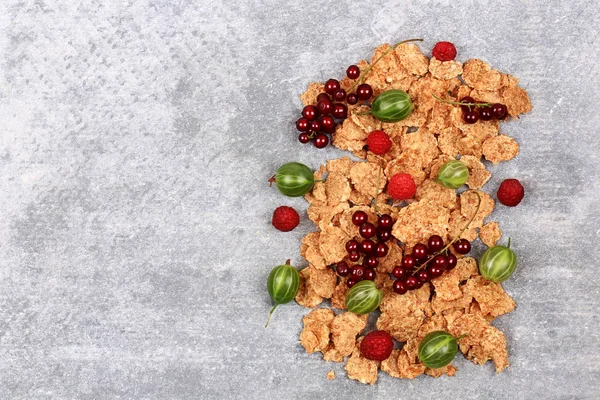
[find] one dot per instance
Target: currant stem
(272, 180)
(455, 239)
(271, 313)
(458, 103)
(361, 78)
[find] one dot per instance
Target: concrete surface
(135, 237)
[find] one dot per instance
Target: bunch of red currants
(472, 114)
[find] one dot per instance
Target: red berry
(451, 261)
(315, 126)
(342, 269)
(385, 221)
(471, 117)
(499, 111)
(325, 106)
(321, 140)
(323, 97)
(340, 111)
(419, 252)
(303, 138)
(352, 245)
(399, 287)
(367, 230)
(440, 261)
(303, 124)
(444, 51)
(285, 218)
(357, 272)
(400, 273)
(466, 99)
(381, 250)
(359, 218)
(411, 283)
(327, 123)
(383, 234)
(369, 275)
(462, 246)
(364, 91)
(434, 271)
(377, 346)
(351, 282)
(367, 246)
(511, 192)
(310, 112)
(423, 276)
(331, 86)
(408, 261)
(419, 284)
(354, 256)
(352, 99)
(485, 113)
(379, 142)
(339, 95)
(435, 243)
(401, 187)
(371, 261)
(353, 72)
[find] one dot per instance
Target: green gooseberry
(363, 297)
(453, 174)
(283, 284)
(438, 349)
(392, 106)
(294, 179)
(498, 263)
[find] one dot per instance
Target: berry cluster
(426, 262)
(472, 114)
(317, 121)
(368, 250)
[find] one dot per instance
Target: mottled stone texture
(135, 237)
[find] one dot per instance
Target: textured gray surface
(135, 238)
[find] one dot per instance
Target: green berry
(498, 263)
(363, 297)
(453, 174)
(437, 349)
(294, 179)
(392, 106)
(283, 284)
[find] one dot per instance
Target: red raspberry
(377, 345)
(511, 192)
(285, 218)
(401, 187)
(444, 51)
(379, 142)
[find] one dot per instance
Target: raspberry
(444, 51)
(401, 187)
(511, 192)
(379, 142)
(285, 218)
(377, 345)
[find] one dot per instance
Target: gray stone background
(135, 237)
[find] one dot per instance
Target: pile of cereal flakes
(461, 301)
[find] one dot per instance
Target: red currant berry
(435, 243)
(325, 106)
(315, 126)
(364, 91)
(423, 276)
(342, 269)
(353, 72)
(357, 272)
(352, 99)
(303, 124)
(381, 250)
(400, 273)
(463, 246)
(485, 113)
(327, 123)
(419, 252)
(499, 110)
(369, 275)
(383, 234)
(399, 287)
(354, 256)
(451, 261)
(339, 95)
(321, 140)
(408, 261)
(351, 282)
(331, 86)
(371, 261)
(411, 283)
(310, 112)
(385, 221)
(340, 111)
(440, 261)
(367, 230)
(323, 97)
(352, 245)
(471, 117)
(303, 138)
(467, 99)
(359, 218)
(367, 246)
(434, 271)
(419, 284)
